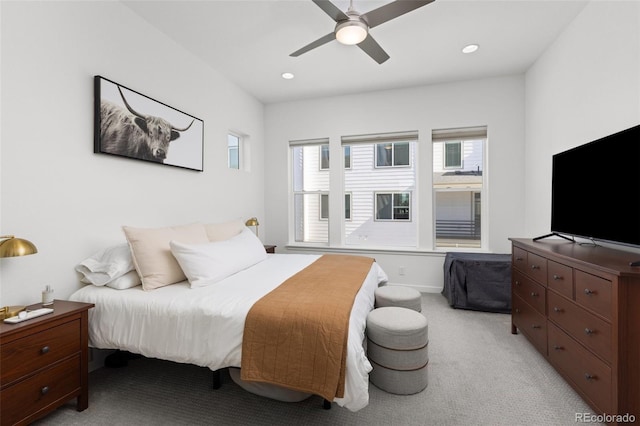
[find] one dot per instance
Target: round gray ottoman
(397, 346)
(393, 295)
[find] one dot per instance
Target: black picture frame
(130, 124)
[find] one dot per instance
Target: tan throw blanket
(296, 336)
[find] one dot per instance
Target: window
(309, 187)
(453, 155)
(324, 206)
(233, 151)
(393, 206)
(392, 154)
(382, 198)
(458, 194)
(324, 157)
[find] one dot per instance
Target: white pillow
(128, 280)
(205, 264)
(106, 265)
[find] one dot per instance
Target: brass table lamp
(11, 246)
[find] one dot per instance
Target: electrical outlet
(401, 270)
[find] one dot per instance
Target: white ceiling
(249, 42)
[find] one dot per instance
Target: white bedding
(204, 326)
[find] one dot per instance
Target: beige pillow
(152, 254)
(224, 231)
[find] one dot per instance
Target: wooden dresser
(44, 363)
(580, 307)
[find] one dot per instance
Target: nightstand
(44, 362)
(270, 248)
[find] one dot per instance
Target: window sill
(380, 250)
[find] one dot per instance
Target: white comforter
(204, 326)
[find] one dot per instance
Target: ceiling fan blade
(373, 49)
(392, 10)
(319, 42)
(331, 10)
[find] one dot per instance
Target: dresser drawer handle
(44, 390)
(556, 309)
(536, 326)
(588, 292)
(557, 277)
(516, 283)
(588, 331)
(589, 376)
(534, 294)
(558, 348)
(517, 310)
(44, 350)
(535, 267)
(519, 259)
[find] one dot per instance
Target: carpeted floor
(479, 374)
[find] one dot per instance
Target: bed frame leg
(216, 379)
(326, 404)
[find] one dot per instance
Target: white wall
(585, 86)
(71, 202)
(495, 102)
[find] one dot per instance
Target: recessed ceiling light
(470, 48)
(287, 75)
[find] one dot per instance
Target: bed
(203, 325)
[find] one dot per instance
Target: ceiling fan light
(351, 32)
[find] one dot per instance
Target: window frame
(393, 206)
(238, 139)
(346, 203)
(393, 154)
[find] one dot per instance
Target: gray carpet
(479, 374)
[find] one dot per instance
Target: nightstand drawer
(58, 382)
(585, 327)
(30, 353)
(588, 373)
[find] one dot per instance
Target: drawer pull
(517, 310)
(516, 283)
(588, 292)
(535, 326)
(44, 350)
(558, 348)
(519, 259)
(44, 390)
(534, 294)
(588, 331)
(557, 277)
(556, 309)
(589, 376)
(535, 267)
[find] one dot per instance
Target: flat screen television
(596, 189)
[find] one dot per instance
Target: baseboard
(422, 288)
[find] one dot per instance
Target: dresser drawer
(560, 278)
(38, 350)
(530, 322)
(588, 373)
(537, 268)
(585, 327)
(60, 381)
(519, 258)
(594, 293)
(529, 291)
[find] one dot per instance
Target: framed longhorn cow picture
(130, 124)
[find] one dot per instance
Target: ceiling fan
(353, 27)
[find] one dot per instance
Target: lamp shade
(252, 222)
(12, 246)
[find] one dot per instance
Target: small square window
(233, 151)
